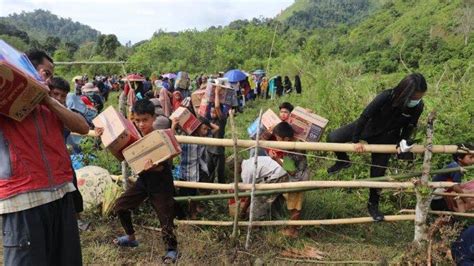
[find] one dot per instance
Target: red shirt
(33, 155)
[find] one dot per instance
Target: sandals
(123, 241)
(170, 257)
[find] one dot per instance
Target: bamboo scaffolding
(309, 146)
(311, 184)
(359, 220)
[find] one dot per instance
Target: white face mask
(413, 103)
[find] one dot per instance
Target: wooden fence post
(255, 176)
(423, 191)
(236, 180)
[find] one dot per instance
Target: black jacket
(380, 117)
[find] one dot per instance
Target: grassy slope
(298, 5)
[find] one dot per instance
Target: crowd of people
(39, 199)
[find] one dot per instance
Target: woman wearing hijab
(177, 99)
(165, 102)
(389, 119)
(287, 85)
(298, 84)
(279, 86)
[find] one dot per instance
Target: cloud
(138, 20)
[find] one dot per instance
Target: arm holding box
(71, 120)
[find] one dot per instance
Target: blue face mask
(413, 103)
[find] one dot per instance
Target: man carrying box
(39, 222)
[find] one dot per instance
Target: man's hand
(148, 165)
(174, 122)
(359, 147)
(99, 131)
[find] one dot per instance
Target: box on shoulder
(119, 132)
(307, 126)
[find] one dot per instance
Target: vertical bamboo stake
(236, 181)
(255, 176)
(124, 163)
(423, 192)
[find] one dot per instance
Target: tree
(466, 20)
(51, 44)
(106, 45)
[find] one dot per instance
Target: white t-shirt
(269, 170)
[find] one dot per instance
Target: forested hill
(310, 14)
(40, 24)
(399, 34)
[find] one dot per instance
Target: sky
(137, 20)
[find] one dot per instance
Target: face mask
(413, 103)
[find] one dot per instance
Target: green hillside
(40, 24)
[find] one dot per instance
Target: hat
(76, 78)
(221, 82)
(158, 107)
(89, 87)
(134, 77)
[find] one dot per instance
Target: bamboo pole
(255, 176)
(461, 214)
(342, 262)
(423, 195)
(236, 180)
(415, 174)
(311, 184)
(342, 221)
(309, 146)
(241, 194)
(461, 195)
(90, 63)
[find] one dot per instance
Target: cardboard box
(196, 98)
(159, 146)
(307, 126)
(119, 132)
(269, 121)
(226, 96)
(187, 121)
(20, 87)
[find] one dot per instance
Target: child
(297, 167)
(156, 183)
(459, 160)
(193, 165)
(216, 154)
(285, 110)
(58, 90)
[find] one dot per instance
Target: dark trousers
(44, 235)
(216, 166)
(162, 202)
(439, 205)
(77, 196)
(344, 134)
